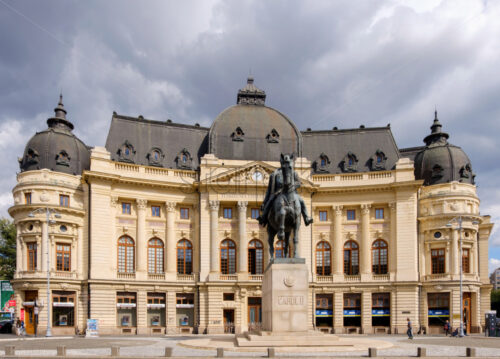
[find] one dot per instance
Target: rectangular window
(184, 299)
(27, 198)
(63, 257)
(379, 213)
(63, 200)
(155, 211)
(184, 213)
(156, 309)
(228, 213)
(323, 216)
(126, 314)
(438, 261)
(126, 208)
(465, 260)
(438, 308)
(228, 296)
(31, 256)
(255, 213)
(63, 313)
(351, 214)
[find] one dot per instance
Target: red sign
(21, 316)
(12, 303)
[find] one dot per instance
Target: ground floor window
(185, 309)
(381, 309)
(63, 309)
(439, 308)
(156, 309)
(352, 310)
(324, 310)
(126, 309)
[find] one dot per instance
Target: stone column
(214, 236)
(80, 251)
(170, 239)
(38, 253)
(338, 243)
(392, 239)
(455, 254)
(474, 258)
(242, 232)
(365, 239)
(44, 248)
(141, 245)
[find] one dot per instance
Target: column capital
(141, 203)
(113, 201)
(214, 205)
(337, 209)
(170, 206)
(392, 206)
(365, 208)
(242, 205)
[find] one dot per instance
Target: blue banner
(324, 313)
(352, 313)
(384, 312)
(439, 313)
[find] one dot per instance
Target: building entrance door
(228, 320)
(29, 311)
(254, 313)
(466, 310)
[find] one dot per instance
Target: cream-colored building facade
(150, 249)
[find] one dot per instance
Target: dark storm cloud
(323, 63)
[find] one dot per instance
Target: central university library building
(157, 231)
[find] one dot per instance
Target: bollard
(271, 352)
(169, 351)
(470, 352)
(10, 350)
(220, 352)
(115, 351)
(372, 352)
(61, 351)
(421, 352)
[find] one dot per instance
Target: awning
(29, 304)
(157, 305)
(63, 304)
(126, 305)
(384, 312)
(352, 312)
(184, 305)
(324, 313)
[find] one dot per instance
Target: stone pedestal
(285, 289)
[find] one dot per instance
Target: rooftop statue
(283, 206)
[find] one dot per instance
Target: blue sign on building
(324, 313)
(385, 312)
(352, 312)
(439, 313)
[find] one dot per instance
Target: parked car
(6, 326)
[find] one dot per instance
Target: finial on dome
(59, 110)
(436, 133)
(250, 94)
(59, 120)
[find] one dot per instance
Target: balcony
(61, 274)
(324, 278)
(186, 277)
(228, 277)
(438, 277)
(381, 277)
(255, 277)
(349, 278)
(130, 275)
(156, 276)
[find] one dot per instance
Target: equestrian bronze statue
(283, 206)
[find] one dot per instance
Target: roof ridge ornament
(251, 95)
(59, 120)
(436, 136)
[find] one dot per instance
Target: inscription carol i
(291, 300)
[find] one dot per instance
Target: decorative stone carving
(214, 205)
(170, 206)
(141, 203)
(242, 205)
(338, 210)
(113, 201)
(365, 208)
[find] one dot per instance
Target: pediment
(248, 173)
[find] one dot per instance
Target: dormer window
(321, 164)
(32, 156)
(273, 136)
(349, 163)
(184, 160)
(238, 135)
(377, 161)
(466, 173)
(63, 158)
(155, 157)
(437, 172)
(126, 152)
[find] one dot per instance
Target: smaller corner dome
(56, 148)
(440, 161)
(250, 130)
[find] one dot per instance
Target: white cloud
(494, 263)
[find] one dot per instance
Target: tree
(495, 301)
(7, 249)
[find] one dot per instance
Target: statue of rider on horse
(283, 206)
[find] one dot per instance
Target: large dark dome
(252, 131)
(56, 148)
(440, 161)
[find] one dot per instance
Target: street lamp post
(48, 212)
(461, 259)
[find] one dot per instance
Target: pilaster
(170, 240)
(243, 242)
(214, 236)
(141, 245)
(365, 239)
(337, 241)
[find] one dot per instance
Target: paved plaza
(138, 346)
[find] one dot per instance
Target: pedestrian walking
(410, 329)
(447, 328)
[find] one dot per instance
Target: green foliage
(7, 249)
(495, 296)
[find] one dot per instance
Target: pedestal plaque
(285, 291)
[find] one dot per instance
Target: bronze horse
(285, 211)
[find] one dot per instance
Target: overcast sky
(323, 63)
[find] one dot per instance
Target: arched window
(379, 257)
(323, 259)
(155, 256)
(184, 257)
(126, 260)
(351, 258)
(227, 257)
(255, 257)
